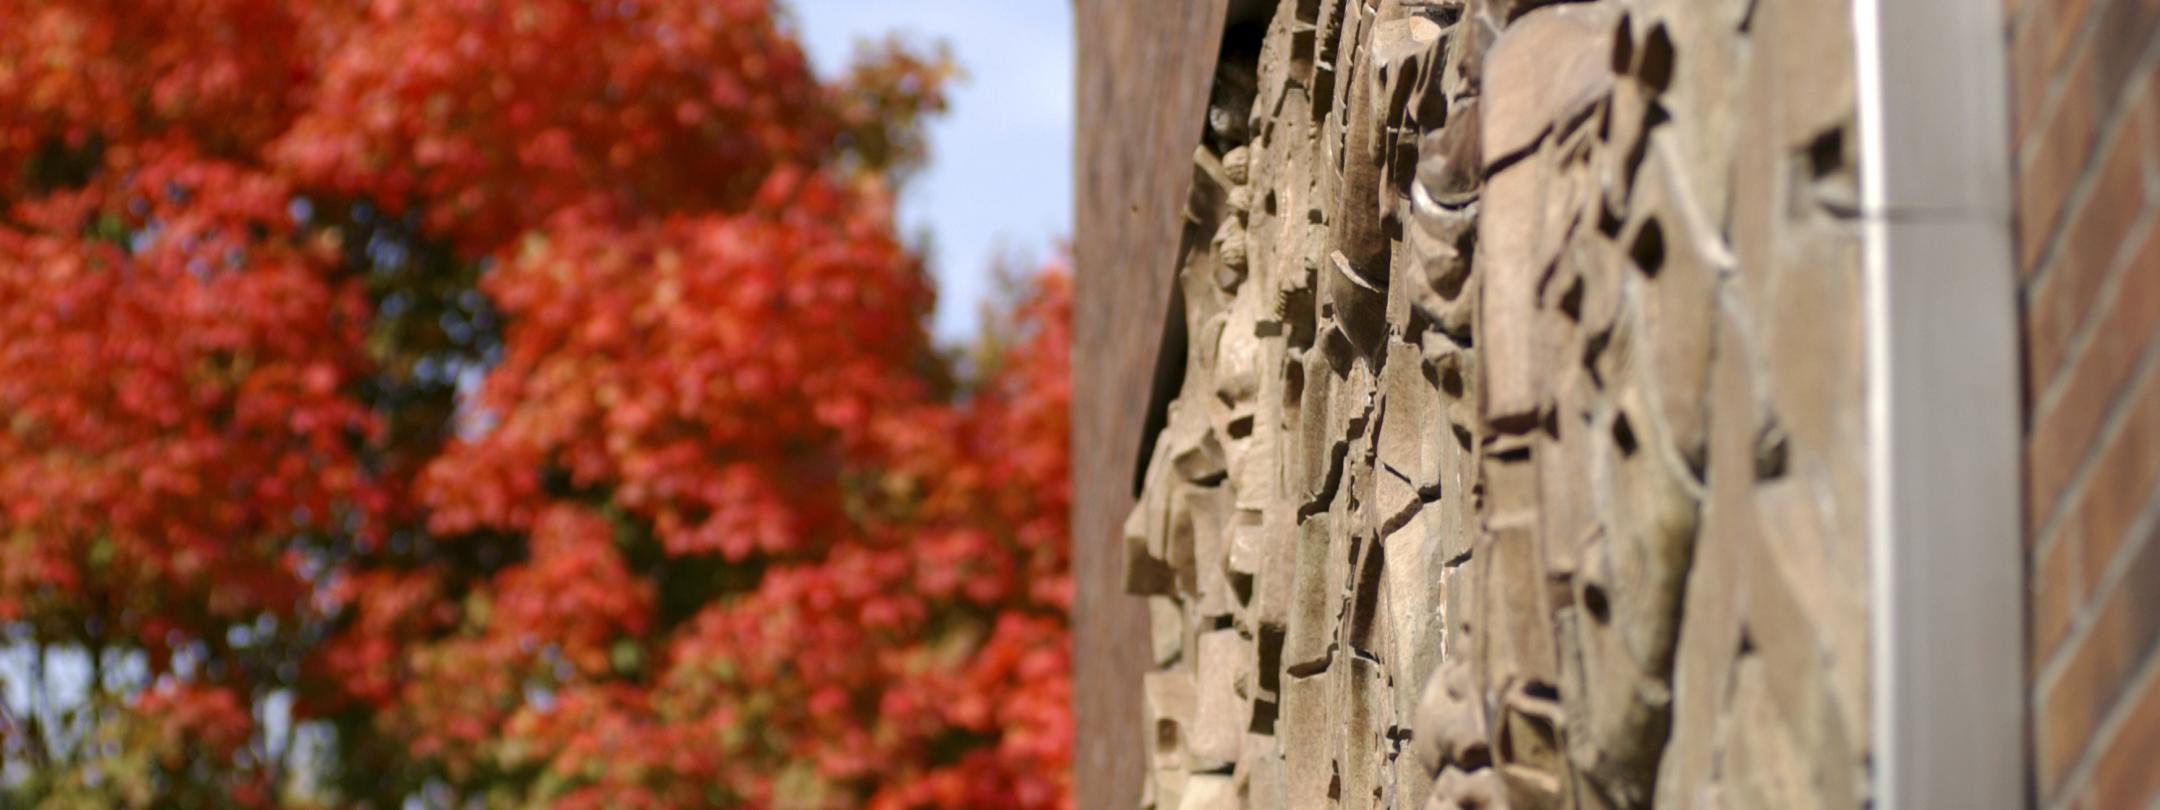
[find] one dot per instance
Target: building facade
(1615, 404)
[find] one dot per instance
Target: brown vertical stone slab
(1143, 70)
(1220, 714)
(1547, 67)
(1513, 381)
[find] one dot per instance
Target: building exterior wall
(2085, 132)
(1509, 447)
(1505, 442)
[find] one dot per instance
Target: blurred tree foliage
(503, 403)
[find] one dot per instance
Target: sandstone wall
(1511, 443)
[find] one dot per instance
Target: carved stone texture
(1517, 457)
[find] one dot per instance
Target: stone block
(1315, 605)
(1513, 381)
(1208, 791)
(1547, 67)
(1166, 629)
(1221, 714)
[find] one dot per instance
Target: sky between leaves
(999, 179)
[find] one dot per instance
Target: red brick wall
(2085, 133)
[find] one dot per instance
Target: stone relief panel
(1511, 438)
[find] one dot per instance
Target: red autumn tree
(519, 402)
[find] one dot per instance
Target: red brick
(2122, 483)
(2037, 45)
(2152, 99)
(2137, 590)
(2064, 145)
(2127, 773)
(2096, 236)
(2098, 240)
(2100, 665)
(2112, 354)
(2056, 595)
(2102, 68)
(2065, 714)
(2063, 430)
(2120, 37)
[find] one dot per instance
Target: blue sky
(999, 181)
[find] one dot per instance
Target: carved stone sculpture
(1516, 457)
